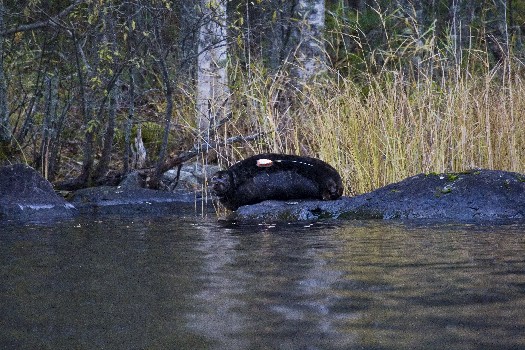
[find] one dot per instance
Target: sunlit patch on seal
(264, 163)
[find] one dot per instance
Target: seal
(276, 176)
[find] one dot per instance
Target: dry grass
(389, 128)
(416, 102)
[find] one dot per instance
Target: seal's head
(222, 182)
(332, 189)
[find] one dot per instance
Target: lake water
(190, 282)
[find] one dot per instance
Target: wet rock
(469, 196)
(128, 200)
(26, 196)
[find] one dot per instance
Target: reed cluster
(387, 126)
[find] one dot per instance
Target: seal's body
(276, 176)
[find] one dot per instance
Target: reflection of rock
(474, 195)
(193, 176)
(25, 195)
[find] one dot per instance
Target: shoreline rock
(131, 198)
(26, 196)
(477, 195)
(128, 201)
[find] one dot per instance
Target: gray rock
(26, 196)
(131, 181)
(126, 201)
(192, 177)
(469, 196)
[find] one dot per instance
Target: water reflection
(190, 282)
(267, 287)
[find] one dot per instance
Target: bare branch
(49, 22)
(204, 147)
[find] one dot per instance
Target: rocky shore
(26, 196)
(477, 195)
(468, 196)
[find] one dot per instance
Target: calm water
(188, 282)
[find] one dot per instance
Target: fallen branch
(193, 152)
(204, 148)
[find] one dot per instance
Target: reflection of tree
(267, 288)
(187, 284)
(217, 304)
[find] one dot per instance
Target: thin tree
(110, 40)
(5, 129)
(212, 80)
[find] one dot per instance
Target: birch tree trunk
(310, 54)
(212, 80)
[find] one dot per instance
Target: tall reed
(389, 128)
(397, 103)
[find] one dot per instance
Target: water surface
(190, 282)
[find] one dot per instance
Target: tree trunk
(54, 155)
(162, 53)
(5, 128)
(310, 53)
(87, 149)
(500, 47)
(168, 91)
(49, 132)
(129, 121)
(105, 158)
(280, 32)
(187, 42)
(212, 79)
(138, 150)
(131, 92)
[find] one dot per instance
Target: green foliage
(452, 177)
(92, 126)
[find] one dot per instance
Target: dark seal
(276, 176)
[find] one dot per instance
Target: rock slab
(26, 196)
(468, 196)
(131, 199)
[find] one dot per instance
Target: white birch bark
(310, 55)
(212, 79)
